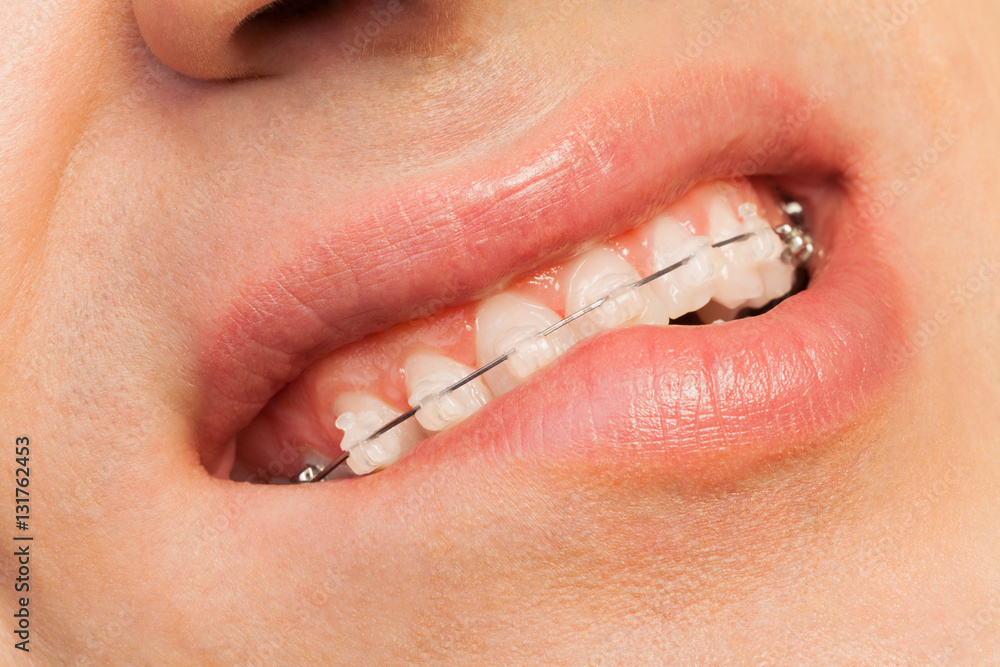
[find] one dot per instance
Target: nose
(210, 39)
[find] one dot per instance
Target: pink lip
(706, 404)
(699, 399)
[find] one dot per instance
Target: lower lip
(712, 403)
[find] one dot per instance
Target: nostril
(195, 37)
(209, 39)
(282, 12)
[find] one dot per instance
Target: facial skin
(153, 154)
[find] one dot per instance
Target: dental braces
(619, 306)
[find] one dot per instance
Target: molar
(427, 375)
(510, 322)
(360, 415)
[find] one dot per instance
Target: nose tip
(201, 38)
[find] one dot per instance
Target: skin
(122, 182)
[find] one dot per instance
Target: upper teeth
(748, 273)
(509, 321)
(691, 286)
(427, 375)
(361, 415)
(601, 273)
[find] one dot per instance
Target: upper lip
(590, 170)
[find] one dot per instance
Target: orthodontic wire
(785, 232)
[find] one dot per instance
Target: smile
(711, 255)
(776, 369)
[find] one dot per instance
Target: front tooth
(739, 280)
(601, 273)
(427, 375)
(360, 415)
(509, 322)
(691, 286)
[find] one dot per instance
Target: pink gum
(303, 411)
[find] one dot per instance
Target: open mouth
(784, 360)
(341, 401)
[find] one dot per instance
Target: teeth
(714, 282)
(690, 287)
(777, 275)
(778, 279)
(764, 245)
(510, 322)
(601, 273)
(360, 415)
(739, 280)
(427, 375)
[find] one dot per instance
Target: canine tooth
(509, 322)
(600, 273)
(691, 286)
(427, 375)
(360, 415)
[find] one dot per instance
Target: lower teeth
(714, 312)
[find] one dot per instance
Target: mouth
(469, 264)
